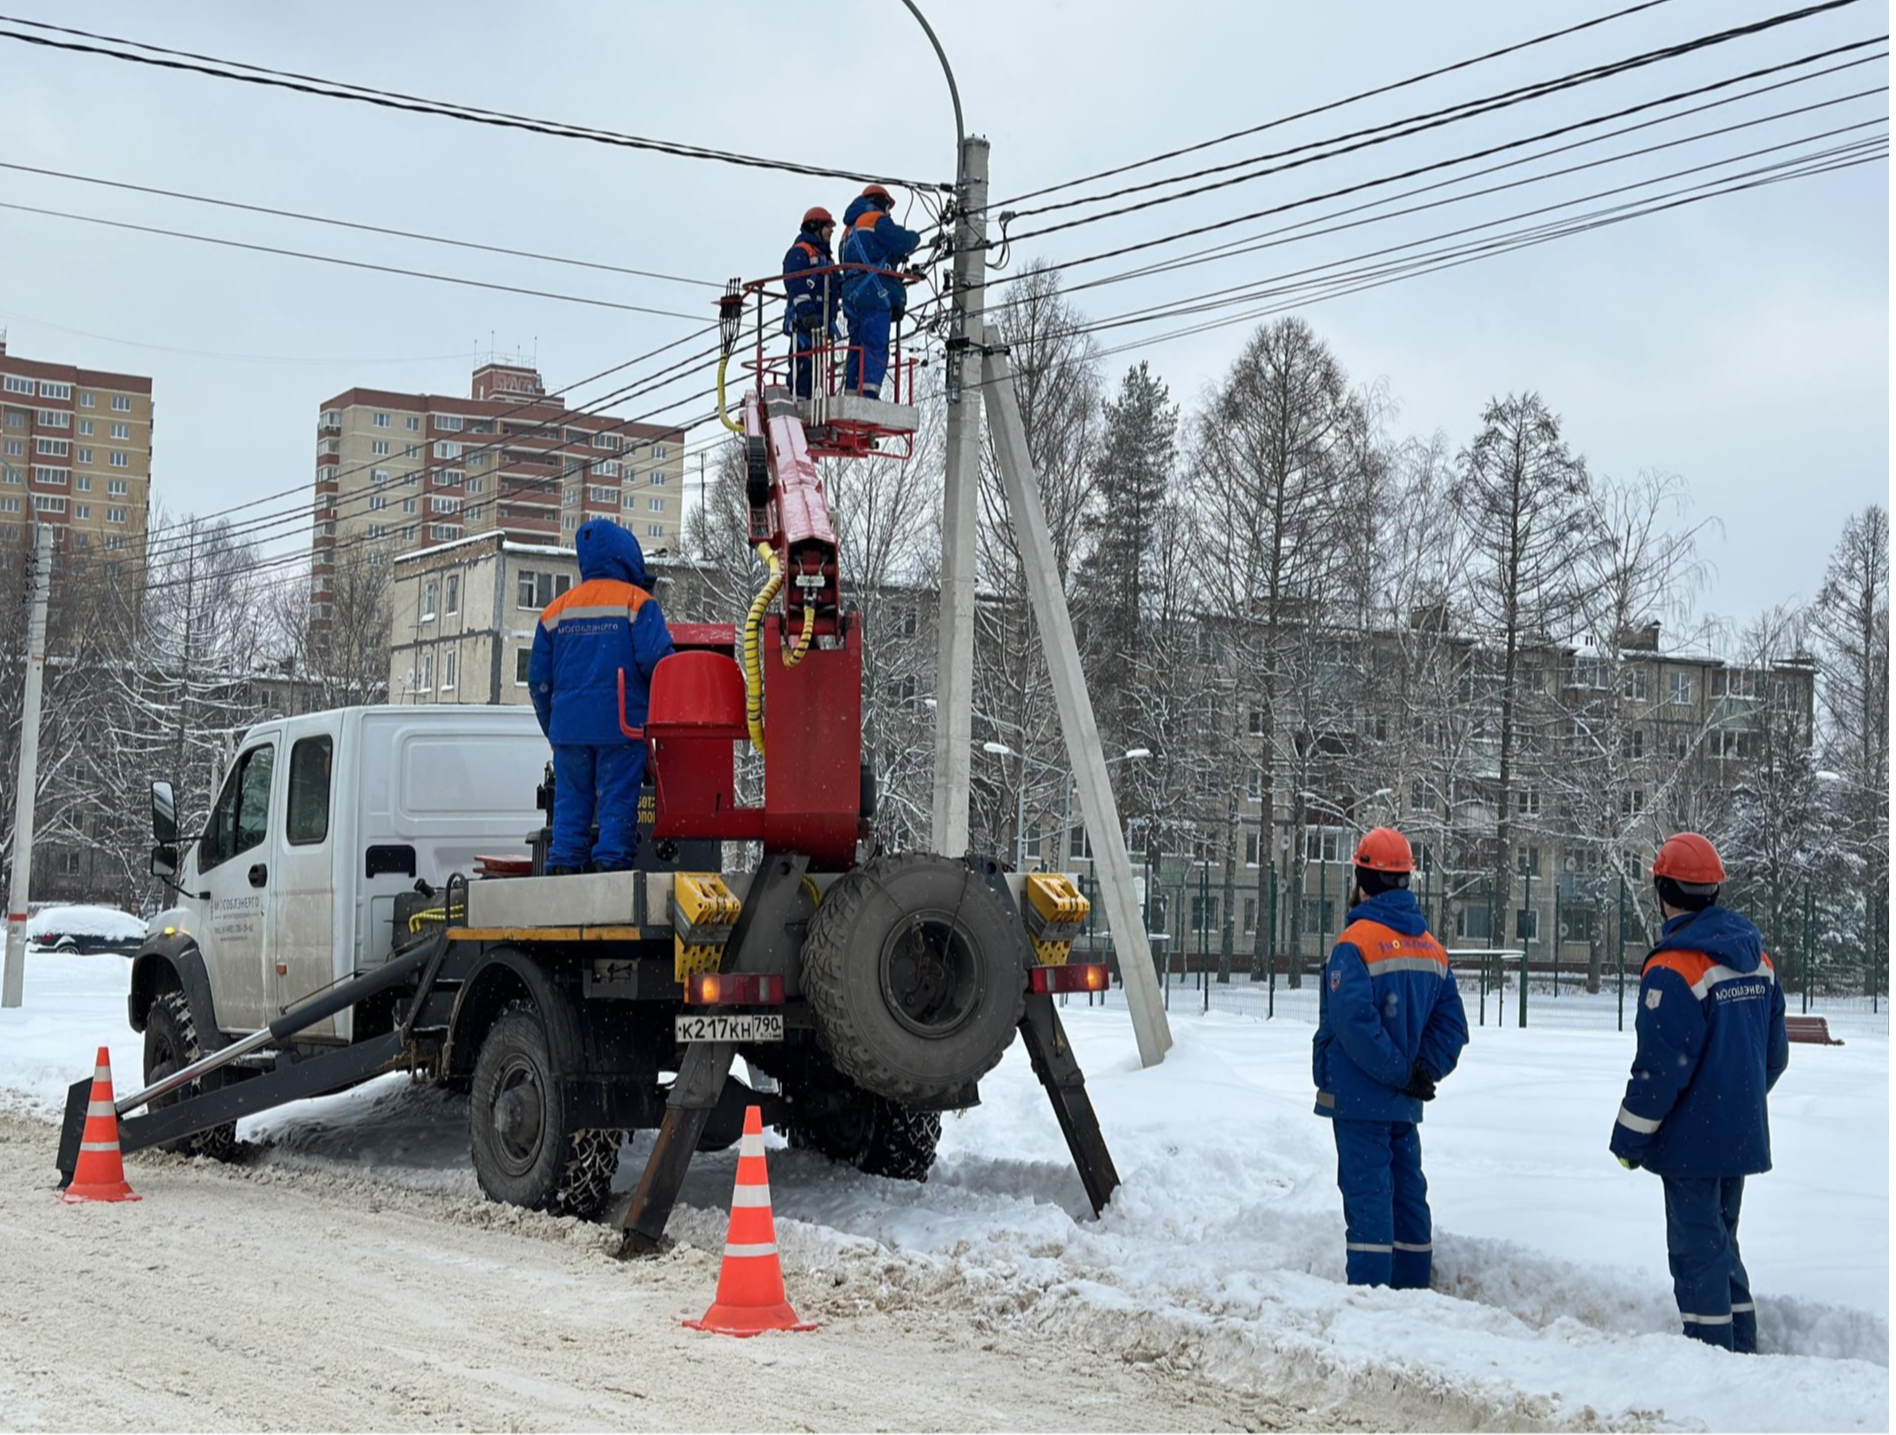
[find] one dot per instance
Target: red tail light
(1074, 977)
(733, 989)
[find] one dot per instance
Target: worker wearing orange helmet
(1711, 1046)
(813, 290)
(1391, 1026)
(873, 298)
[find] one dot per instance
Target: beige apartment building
(75, 454)
(401, 473)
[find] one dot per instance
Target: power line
(243, 72)
(1483, 153)
(1417, 124)
(149, 547)
(348, 263)
(1273, 288)
(362, 228)
(1250, 244)
(287, 359)
(1331, 105)
(1563, 204)
(1414, 268)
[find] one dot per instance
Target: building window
(116, 488)
(19, 386)
(53, 419)
(380, 421)
(1253, 849)
(82, 510)
(1528, 860)
(114, 515)
(378, 475)
(430, 595)
(52, 447)
(378, 447)
(1633, 684)
(1317, 915)
(87, 401)
(656, 504)
(450, 666)
(1254, 784)
(48, 503)
(377, 502)
(121, 404)
(569, 524)
(449, 423)
(606, 440)
(413, 424)
(85, 455)
(440, 503)
(522, 656)
(412, 450)
(657, 479)
(453, 603)
(85, 428)
(449, 478)
(408, 505)
(50, 390)
(1632, 802)
(536, 590)
(1079, 849)
(445, 449)
(1325, 844)
(10, 504)
(1679, 689)
(658, 450)
(118, 460)
(1527, 802)
(597, 494)
(442, 532)
(654, 530)
(606, 468)
(122, 432)
(55, 476)
(427, 673)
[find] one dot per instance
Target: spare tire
(915, 973)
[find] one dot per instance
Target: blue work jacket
(805, 290)
(872, 237)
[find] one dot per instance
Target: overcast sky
(1741, 343)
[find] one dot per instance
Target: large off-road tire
(914, 973)
(171, 1043)
(524, 1153)
(875, 1135)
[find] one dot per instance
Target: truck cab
(320, 823)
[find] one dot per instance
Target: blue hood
(1396, 909)
(858, 207)
(1718, 932)
(608, 551)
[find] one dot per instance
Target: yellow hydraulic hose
(802, 643)
(724, 418)
(753, 633)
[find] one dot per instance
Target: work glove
(810, 320)
(1421, 1085)
(1629, 1163)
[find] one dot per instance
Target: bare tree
(344, 662)
(1272, 441)
(1851, 623)
(1524, 496)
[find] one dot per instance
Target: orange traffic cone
(750, 1285)
(99, 1174)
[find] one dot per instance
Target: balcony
(330, 422)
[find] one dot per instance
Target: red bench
(1812, 1029)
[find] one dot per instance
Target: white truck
(364, 898)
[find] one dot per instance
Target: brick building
(400, 473)
(75, 454)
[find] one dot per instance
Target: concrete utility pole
(12, 987)
(954, 688)
(954, 672)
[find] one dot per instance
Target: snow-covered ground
(1222, 1253)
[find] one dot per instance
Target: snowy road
(1209, 1295)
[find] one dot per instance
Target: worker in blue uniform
(814, 296)
(1391, 1027)
(608, 624)
(872, 301)
(1712, 1044)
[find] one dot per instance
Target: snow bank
(1223, 1252)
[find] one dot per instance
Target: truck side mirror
(164, 817)
(164, 860)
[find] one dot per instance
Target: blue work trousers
(1385, 1203)
(1708, 1276)
(868, 348)
(596, 784)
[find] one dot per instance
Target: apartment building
(75, 454)
(401, 473)
(462, 614)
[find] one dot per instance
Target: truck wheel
(524, 1155)
(871, 1133)
(914, 974)
(171, 1042)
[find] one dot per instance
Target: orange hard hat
(1688, 857)
(1383, 849)
(876, 191)
(816, 215)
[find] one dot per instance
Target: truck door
(301, 940)
(234, 876)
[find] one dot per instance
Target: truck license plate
(736, 1026)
